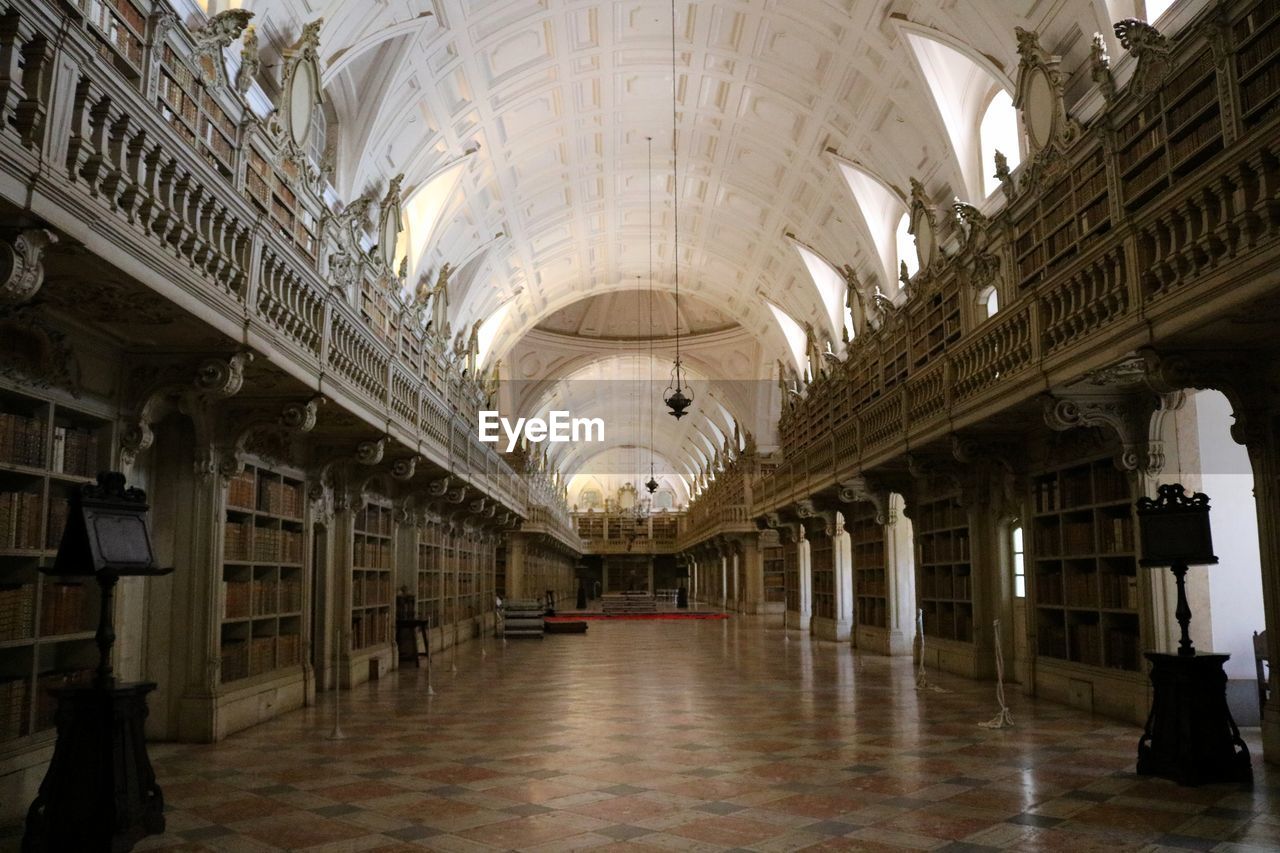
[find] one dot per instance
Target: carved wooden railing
(91, 121)
(1178, 240)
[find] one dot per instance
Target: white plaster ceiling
(562, 96)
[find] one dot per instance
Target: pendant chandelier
(652, 484)
(678, 395)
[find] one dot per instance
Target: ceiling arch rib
(961, 82)
(880, 207)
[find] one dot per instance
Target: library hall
(639, 425)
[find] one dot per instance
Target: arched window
(973, 101)
(664, 499)
(989, 301)
(907, 246)
(998, 132)
(1156, 8)
(590, 499)
(1019, 565)
(319, 133)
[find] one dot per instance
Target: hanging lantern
(675, 397)
(652, 485)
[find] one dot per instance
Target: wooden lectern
(100, 793)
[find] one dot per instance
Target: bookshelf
(935, 327)
(870, 583)
(371, 582)
(791, 575)
(196, 116)
(47, 449)
(1257, 37)
(1171, 133)
(430, 590)
(822, 566)
(943, 571)
(1085, 583)
(120, 28)
(500, 571)
(262, 574)
(775, 581)
(591, 525)
(1077, 207)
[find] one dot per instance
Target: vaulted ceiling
(570, 105)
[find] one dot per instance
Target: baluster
(32, 108)
(149, 186)
(11, 90)
(113, 161)
(99, 128)
(133, 174)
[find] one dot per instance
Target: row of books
(936, 516)
(22, 439)
(14, 707)
(370, 628)
(374, 520)
(75, 451)
(17, 611)
(260, 597)
(371, 554)
(241, 490)
(370, 591)
(243, 541)
(944, 586)
(943, 549)
(1116, 535)
(20, 517)
(1119, 592)
(271, 544)
(871, 612)
(65, 608)
(280, 497)
(245, 658)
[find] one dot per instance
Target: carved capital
(22, 265)
(860, 488)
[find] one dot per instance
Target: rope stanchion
(922, 678)
(1004, 719)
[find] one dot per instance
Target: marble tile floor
(699, 736)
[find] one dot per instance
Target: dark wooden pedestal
(407, 633)
(100, 793)
(1190, 735)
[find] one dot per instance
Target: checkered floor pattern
(688, 736)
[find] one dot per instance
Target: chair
(1263, 662)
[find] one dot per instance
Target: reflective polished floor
(689, 736)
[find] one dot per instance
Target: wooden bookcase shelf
(791, 575)
(870, 585)
(47, 449)
(1174, 131)
(775, 582)
(430, 597)
(823, 575)
(591, 525)
(935, 327)
(943, 571)
(372, 555)
(1078, 206)
(194, 114)
(262, 574)
(1085, 582)
(1257, 37)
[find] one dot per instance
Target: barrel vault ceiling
(562, 102)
